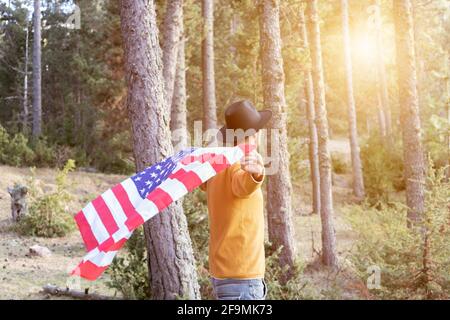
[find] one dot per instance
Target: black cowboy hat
(244, 116)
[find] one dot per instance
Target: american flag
(108, 221)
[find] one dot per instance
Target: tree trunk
(178, 120)
(25, 87)
(409, 110)
(233, 30)
(279, 187)
(37, 98)
(209, 86)
(380, 114)
(19, 205)
(329, 256)
(358, 183)
(171, 261)
(172, 30)
(381, 74)
(311, 115)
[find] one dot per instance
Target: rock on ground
(40, 251)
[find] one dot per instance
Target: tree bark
(279, 187)
(386, 126)
(381, 115)
(170, 255)
(37, 88)
(329, 256)
(209, 86)
(172, 30)
(311, 115)
(178, 120)
(19, 205)
(409, 110)
(358, 182)
(25, 87)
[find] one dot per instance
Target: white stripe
(205, 171)
(132, 191)
(94, 252)
(134, 196)
(96, 224)
(144, 207)
(175, 188)
(103, 259)
(236, 154)
(188, 167)
(91, 254)
(147, 209)
(116, 209)
(122, 233)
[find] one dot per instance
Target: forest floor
(22, 276)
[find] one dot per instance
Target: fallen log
(84, 295)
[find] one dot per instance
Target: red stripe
(160, 198)
(219, 162)
(134, 218)
(201, 158)
(89, 239)
(88, 270)
(189, 178)
(105, 215)
(110, 245)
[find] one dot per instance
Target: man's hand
(254, 164)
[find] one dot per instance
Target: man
(235, 207)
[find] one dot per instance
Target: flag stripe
(147, 209)
(89, 239)
(88, 270)
(100, 232)
(105, 215)
(189, 178)
(175, 188)
(160, 198)
(115, 207)
(123, 197)
(219, 162)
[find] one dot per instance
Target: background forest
(84, 118)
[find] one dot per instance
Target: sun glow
(364, 48)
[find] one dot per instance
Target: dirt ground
(22, 277)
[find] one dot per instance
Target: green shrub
(4, 140)
(436, 131)
(44, 153)
(129, 271)
(339, 163)
(297, 288)
(382, 169)
(16, 152)
(48, 213)
(384, 240)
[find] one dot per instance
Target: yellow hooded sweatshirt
(236, 224)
